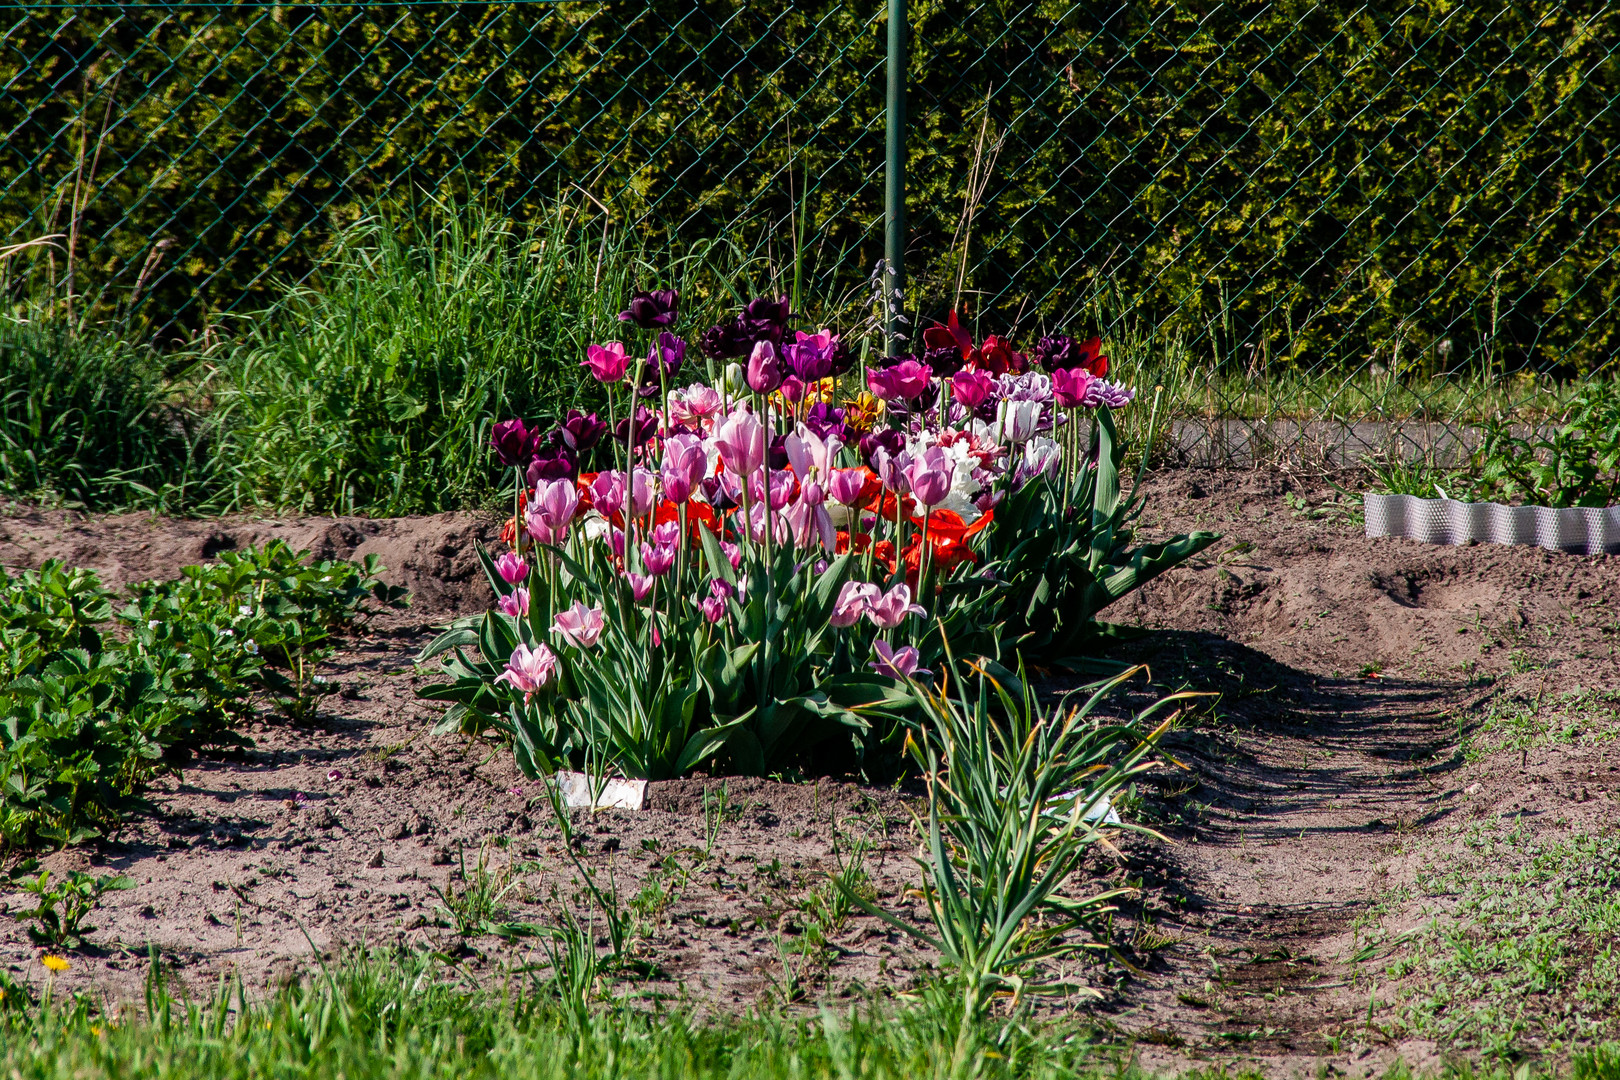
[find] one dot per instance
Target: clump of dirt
(1361, 687)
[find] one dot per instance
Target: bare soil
(1348, 672)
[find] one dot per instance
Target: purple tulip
(764, 368)
(891, 469)
(930, 474)
(944, 361)
(896, 663)
(666, 355)
(1114, 395)
(652, 310)
(580, 432)
(972, 388)
(826, 420)
(720, 491)
(713, 608)
(642, 493)
(906, 380)
(552, 510)
(513, 443)
(808, 360)
(607, 363)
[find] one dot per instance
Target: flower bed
(773, 556)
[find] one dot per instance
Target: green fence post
(894, 174)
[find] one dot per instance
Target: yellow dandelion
(55, 963)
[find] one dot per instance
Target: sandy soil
(1347, 669)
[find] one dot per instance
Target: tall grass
(91, 418)
(374, 388)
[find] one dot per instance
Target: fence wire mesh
(1310, 219)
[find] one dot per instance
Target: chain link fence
(1310, 219)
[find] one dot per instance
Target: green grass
(1520, 722)
(409, 1017)
(90, 418)
(1519, 947)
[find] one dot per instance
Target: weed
(59, 909)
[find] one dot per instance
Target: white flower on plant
(227, 632)
(251, 646)
(153, 624)
(245, 609)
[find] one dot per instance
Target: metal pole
(894, 174)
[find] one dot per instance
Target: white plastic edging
(1582, 529)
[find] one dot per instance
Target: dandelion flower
(55, 963)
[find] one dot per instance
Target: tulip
(607, 363)
(792, 389)
(767, 319)
(667, 534)
(580, 432)
(556, 502)
(1042, 456)
(512, 568)
(528, 670)
(694, 406)
(764, 368)
(685, 462)
(640, 584)
(930, 474)
(1114, 395)
(826, 421)
(1074, 387)
(807, 359)
(887, 439)
(907, 380)
(713, 608)
(944, 361)
(658, 559)
(1019, 420)
(607, 492)
(972, 388)
(514, 603)
(741, 442)
(652, 310)
(513, 443)
(847, 485)
(580, 626)
(891, 609)
(726, 340)
(853, 600)
(896, 663)
(1055, 352)
(633, 431)
(663, 361)
(552, 463)
(642, 493)
(808, 453)
(616, 543)
(732, 552)
(891, 469)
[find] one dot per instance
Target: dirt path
(1358, 728)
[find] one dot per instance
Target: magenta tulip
(514, 603)
(607, 363)
(1072, 387)
(511, 568)
(972, 387)
(528, 670)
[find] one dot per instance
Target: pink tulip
(580, 626)
(642, 494)
(685, 462)
(741, 442)
(713, 608)
(514, 603)
(511, 568)
(846, 486)
(896, 663)
(695, 406)
(891, 469)
(528, 670)
(732, 552)
(930, 474)
(971, 387)
(908, 379)
(640, 584)
(667, 535)
(607, 363)
(890, 609)
(764, 368)
(1072, 386)
(808, 453)
(607, 492)
(792, 389)
(657, 559)
(556, 501)
(853, 600)
(616, 543)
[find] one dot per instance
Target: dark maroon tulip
(726, 341)
(1055, 352)
(652, 310)
(635, 432)
(887, 439)
(579, 432)
(944, 361)
(842, 358)
(513, 443)
(777, 457)
(552, 462)
(767, 319)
